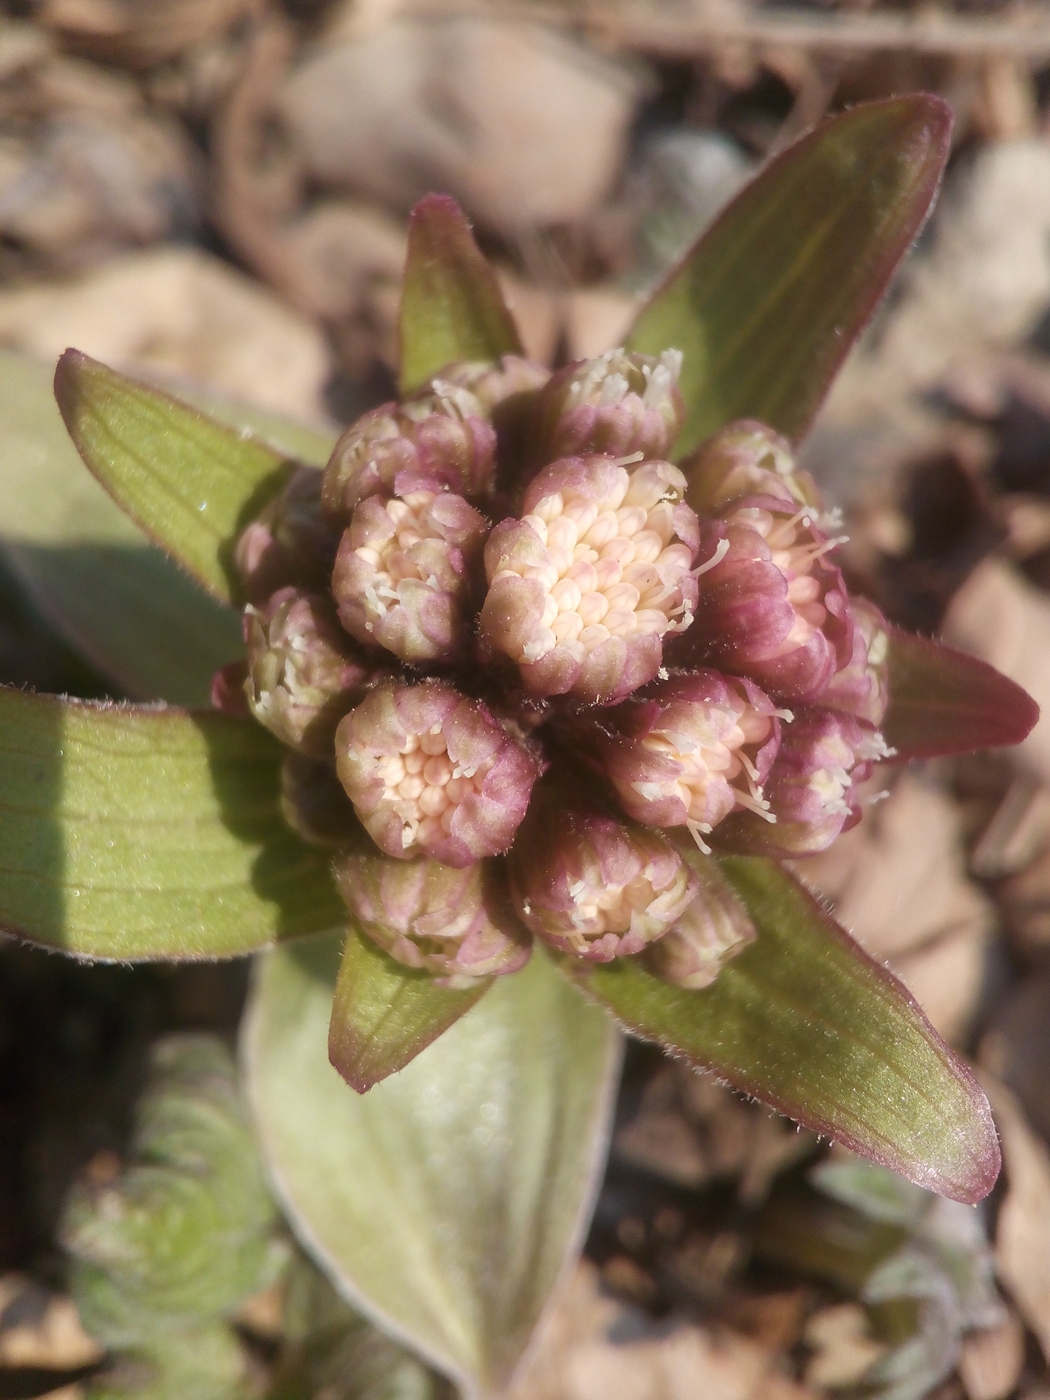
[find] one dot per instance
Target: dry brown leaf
(182, 313)
(898, 884)
(843, 1346)
(1022, 1239)
(53, 1340)
(523, 125)
(138, 32)
(991, 1361)
(691, 1130)
(595, 1348)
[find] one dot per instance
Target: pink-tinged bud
(430, 772)
(493, 382)
(594, 885)
(458, 925)
(406, 573)
(619, 403)
(227, 689)
(861, 687)
(506, 390)
(314, 804)
(770, 604)
(304, 673)
(440, 440)
(290, 543)
(714, 929)
(743, 461)
(688, 750)
(585, 587)
(811, 787)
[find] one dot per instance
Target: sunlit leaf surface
(806, 1021)
(118, 600)
(451, 304)
(447, 1200)
(944, 701)
(190, 482)
(769, 301)
(148, 833)
(385, 1014)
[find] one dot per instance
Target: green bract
(447, 1200)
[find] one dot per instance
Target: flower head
(861, 686)
(457, 924)
(744, 461)
(431, 772)
(714, 929)
(440, 439)
(314, 804)
(771, 606)
(290, 543)
(405, 573)
(812, 785)
(304, 672)
(685, 634)
(586, 585)
(619, 403)
(592, 884)
(688, 750)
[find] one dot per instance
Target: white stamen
(721, 550)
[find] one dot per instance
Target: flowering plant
(542, 676)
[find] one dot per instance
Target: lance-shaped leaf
(769, 301)
(148, 833)
(451, 304)
(945, 701)
(120, 602)
(804, 1019)
(446, 1201)
(385, 1014)
(190, 482)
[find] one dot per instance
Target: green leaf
(447, 1201)
(806, 1021)
(121, 603)
(189, 481)
(768, 302)
(385, 1014)
(944, 701)
(148, 833)
(451, 304)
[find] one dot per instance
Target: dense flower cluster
(532, 675)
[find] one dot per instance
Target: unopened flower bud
(594, 885)
(688, 750)
(430, 772)
(227, 689)
(314, 804)
(770, 606)
(506, 390)
(619, 403)
(493, 382)
(811, 787)
(584, 588)
(714, 929)
(290, 543)
(304, 673)
(458, 925)
(406, 571)
(742, 461)
(861, 687)
(440, 440)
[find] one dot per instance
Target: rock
(179, 313)
(524, 126)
